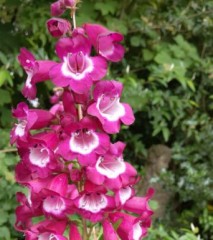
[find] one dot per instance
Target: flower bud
(58, 27)
(70, 3)
(57, 8)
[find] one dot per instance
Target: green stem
(8, 150)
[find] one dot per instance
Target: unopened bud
(57, 8)
(58, 27)
(70, 3)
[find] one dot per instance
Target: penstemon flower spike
(77, 181)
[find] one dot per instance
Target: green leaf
(166, 134)
(4, 233)
(101, 235)
(5, 97)
(108, 8)
(87, 13)
(5, 77)
(188, 236)
(193, 103)
(4, 217)
(157, 129)
(175, 235)
(191, 85)
(147, 55)
(6, 117)
(117, 224)
(189, 49)
(135, 41)
(117, 25)
(153, 205)
(163, 57)
(3, 58)
(75, 218)
(183, 81)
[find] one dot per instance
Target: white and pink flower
(84, 142)
(38, 154)
(56, 202)
(93, 202)
(77, 70)
(108, 108)
(110, 169)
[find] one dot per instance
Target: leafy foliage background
(168, 78)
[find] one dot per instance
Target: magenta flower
(38, 154)
(84, 142)
(134, 228)
(110, 169)
(69, 105)
(58, 27)
(25, 212)
(107, 107)
(23, 173)
(139, 205)
(70, 3)
(77, 69)
(93, 202)
(109, 231)
(37, 71)
(123, 194)
(59, 7)
(74, 233)
(55, 198)
(47, 229)
(28, 119)
(105, 42)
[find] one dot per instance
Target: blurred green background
(168, 77)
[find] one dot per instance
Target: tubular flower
(59, 7)
(28, 119)
(111, 170)
(105, 42)
(107, 107)
(58, 27)
(36, 70)
(84, 142)
(77, 69)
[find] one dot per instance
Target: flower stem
(73, 11)
(8, 150)
(92, 230)
(80, 116)
(84, 229)
(80, 113)
(94, 233)
(73, 18)
(72, 14)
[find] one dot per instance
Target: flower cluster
(68, 164)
